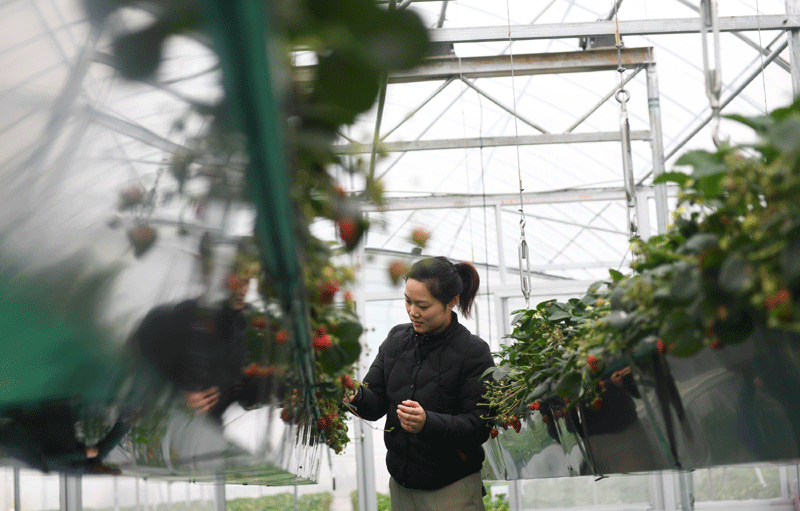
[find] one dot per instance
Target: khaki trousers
(463, 495)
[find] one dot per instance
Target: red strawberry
(597, 403)
(251, 370)
(397, 270)
(259, 323)
(493, 433)
(322, 341)
(593, 364)
(281, 336)
(348, 298)
(420, 237)
(131, 196)
(328, 291)
(348, 231)
(546, 418)
(347, 382)
(516, 424)
(780, 302)
(661, 346)
(715, 344)
(142, 238)
(234, 282)
(318, 394)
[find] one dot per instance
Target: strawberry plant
(356, 42)
(730, 263)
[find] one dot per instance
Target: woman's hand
(202, 401)
(349, 397)
(412, 416)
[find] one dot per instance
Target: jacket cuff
(434, 426)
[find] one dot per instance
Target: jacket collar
(438, 336)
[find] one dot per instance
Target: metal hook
(713, 75)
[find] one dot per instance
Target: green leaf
(618, 320)
(138, 54)
(556, 312)
(685, 285)
(735, 275)
(570, 385)
(790, 262)
(704, 163)
(347, 330)
(540, 390)
(615, 275)
(672, 177)
(786, 135)
(333, 360)
(737, 327)
(710, 185)
(760, 124)
(397, 40)
(700, 242)
(345, 86)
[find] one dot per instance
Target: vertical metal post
(17, 491)
(686, 490)
(70, 494)
(365, 454)
(219, 492)
(657, 146)
(783, 475)
(655, 488)
(514, 496)
(793, 7)
(643, 215)
(116, 493)
(669, 483)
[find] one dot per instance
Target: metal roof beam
(466, 143)
(510, 199)
(607, 28)
(442, 68)
(600, 59)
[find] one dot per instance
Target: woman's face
(427, 314)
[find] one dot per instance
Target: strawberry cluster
(322, 341)
(330, 425)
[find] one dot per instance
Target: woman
(428, 380)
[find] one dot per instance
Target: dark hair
(446, 280)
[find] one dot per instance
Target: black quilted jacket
(442, 372)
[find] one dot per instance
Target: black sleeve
(371, 403)
(467, 425)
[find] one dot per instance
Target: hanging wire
(524, 255)
(622, 96)
(713, 75)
